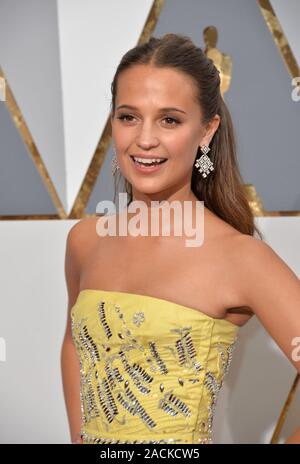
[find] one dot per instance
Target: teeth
(148, 161)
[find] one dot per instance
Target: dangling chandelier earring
(204, 163)
(114, 164)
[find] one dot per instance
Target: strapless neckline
(139, 296)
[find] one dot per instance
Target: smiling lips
(147, 164)
(148, 161)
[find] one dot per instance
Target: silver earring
(204, 163)
(114, 165)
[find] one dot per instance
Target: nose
(146, 137)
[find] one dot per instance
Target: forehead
(159, 86)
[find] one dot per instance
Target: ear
(211, 128)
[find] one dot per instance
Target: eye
(123, 116)
(172, 119)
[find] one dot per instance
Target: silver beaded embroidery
(101, 440)
(173, 405)
(212, 384)
(92, 439)
(132, 404)
(106, 400)
(137, 373)
(138, 318)
(186, 350)
(154, 352)
(102, 395)
(226, 360)
(102, 319)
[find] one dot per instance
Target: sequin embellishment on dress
(146, 379)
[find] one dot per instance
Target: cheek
(182, 148)
(121, 137)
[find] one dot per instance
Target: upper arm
(72, 273)
(78, 240)
(272, 290)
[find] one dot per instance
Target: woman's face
(143, 127)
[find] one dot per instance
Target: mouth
(147, 163)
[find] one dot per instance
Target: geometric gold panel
(279, 37)
(286, 53)
(283, 414)
(257, 208)
(27, 138)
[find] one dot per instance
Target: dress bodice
(150, 369)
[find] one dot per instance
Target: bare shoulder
(249, 254)
(83, 228)
(217, 229)
(260, 267)
(238, 249)
(252, 251)
(80, 239)
(82, 236)
(260, 259)
(222, 232)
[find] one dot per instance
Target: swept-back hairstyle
(223, 190)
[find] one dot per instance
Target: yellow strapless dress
(150, 369)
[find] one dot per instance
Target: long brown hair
(222, 191)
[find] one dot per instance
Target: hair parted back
(223, 190)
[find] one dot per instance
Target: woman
(152, 323)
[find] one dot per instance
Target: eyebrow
(168, 108)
